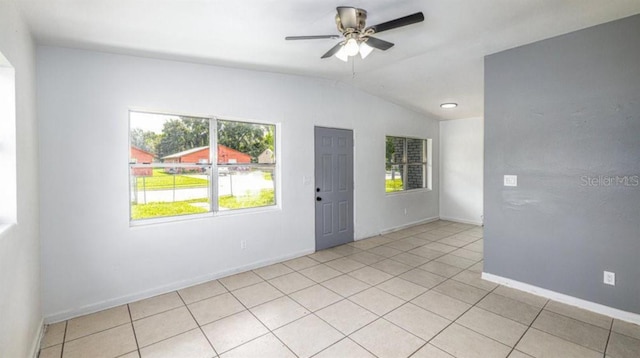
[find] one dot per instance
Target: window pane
(415, 150)
(393, 178)
(415, 176)
(242, 142)
(162, 191)
(245, 186)
(395, 150)
(169, 191)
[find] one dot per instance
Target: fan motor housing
(351, 18)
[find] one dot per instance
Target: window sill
(173, 219)
(412, 191)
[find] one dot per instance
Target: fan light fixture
(448, 105)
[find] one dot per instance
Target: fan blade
(379, 44)
(403, 21)
(316, 37)
(333, 51)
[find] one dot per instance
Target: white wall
(93, 259)
(20, 313)
(461, 171)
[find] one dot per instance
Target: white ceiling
(435, 61)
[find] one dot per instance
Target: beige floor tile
(479, 267)
(463, 342)
(455, 241)
(474, 279)
(192, 344)
(134, 354)
(441, 269)
(402, 288)
(370, 275)
(214, 308)
(54, 334)
(200, 292)
(291, 282)
(441, 304)
(158, 327)
(308, 335)
(366, 244)
(621, 346)
(477, 246)
(320, 273)
(509, 308)
(418, 321)
(51, 352)
(315, 297)
(366, 258)
(392, 267)
(345, 250)
(384, 251)
(376, 301)
(345, 285)
(346, 316)
(467, 254)
(572, 330)
(518, 354)
(402, 245)
(521, 296)
(272, 271)
(384, 339)
(422, 278)
(398, 235)
(108, 344)
(426, 252)
(410, 259)
(96, 322)
(279, 312)
(257, 294)
(240, 280)
(461, 291)
(430, 351)
(153, 305)
(540, 344)
(324, 256)
(626, 328)
(579, 314)
(346, 348)
(345, 264)
(232, 331)
(267, 346)
(457, 261)
(494, 326)
(437, 246)
(300, 263)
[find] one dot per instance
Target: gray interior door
(334, 186)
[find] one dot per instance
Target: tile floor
(411, 293)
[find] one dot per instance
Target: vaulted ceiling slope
(438, 60)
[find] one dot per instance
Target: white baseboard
(462, 221)
(414, 223)
(562, 298)
(35, 346)
(95, 307)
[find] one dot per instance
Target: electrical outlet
(243, 244)
(510, 180)
(610, 278)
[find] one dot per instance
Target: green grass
(163, 181)
(267, 176)
(160, 209)
(392, 185)
(264, 198)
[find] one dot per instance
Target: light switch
(510, 180)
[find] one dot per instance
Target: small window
(8, 171)
(407, 164)
(173, 172)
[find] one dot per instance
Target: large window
(407, 164)
(173, 172)
(8, 171)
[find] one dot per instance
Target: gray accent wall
(563, 115)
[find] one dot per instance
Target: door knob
(318, 198)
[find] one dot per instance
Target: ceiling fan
(358, 38)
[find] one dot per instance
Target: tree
(182, 134)
(145, 140)
(247, 138)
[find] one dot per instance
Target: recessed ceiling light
(449, 105)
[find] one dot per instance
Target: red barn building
(140, 156)
(201, 155)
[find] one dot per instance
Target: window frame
(212, 165)
(426, 164)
